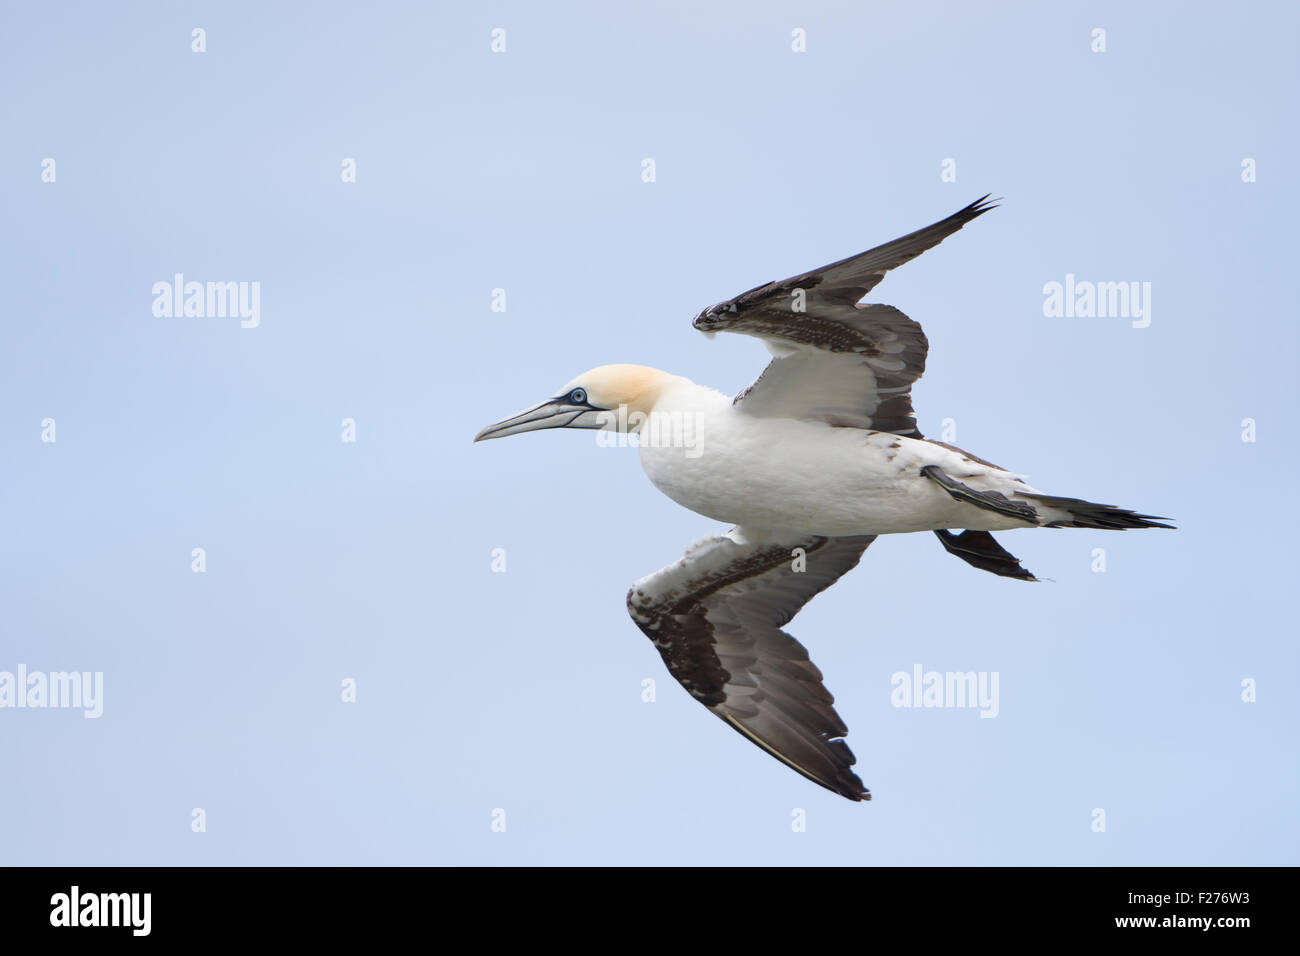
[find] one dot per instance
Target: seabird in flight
(810, 464)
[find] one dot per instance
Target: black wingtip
(1153, 521)
(847, 786)
(982, 205)
(979, 549)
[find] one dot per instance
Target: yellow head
(588, 400)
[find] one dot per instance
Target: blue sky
(522, 170)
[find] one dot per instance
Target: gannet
(810, 464)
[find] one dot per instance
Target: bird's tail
(1077, 513)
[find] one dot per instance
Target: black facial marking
(577, 397)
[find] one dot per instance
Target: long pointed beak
(550, 414)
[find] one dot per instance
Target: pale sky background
(372, 561)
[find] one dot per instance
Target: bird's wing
(837, 362)
(716, 618)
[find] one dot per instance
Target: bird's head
(592, 400)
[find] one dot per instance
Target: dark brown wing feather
(716, 618)
(865, 357)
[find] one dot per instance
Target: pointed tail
(1077, 513)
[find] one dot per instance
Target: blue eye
(577, 397)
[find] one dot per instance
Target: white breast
(774, 473)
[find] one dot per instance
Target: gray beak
(552, 414)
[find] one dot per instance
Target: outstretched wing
(838, 362)
(716, 618)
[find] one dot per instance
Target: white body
(807, 477)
